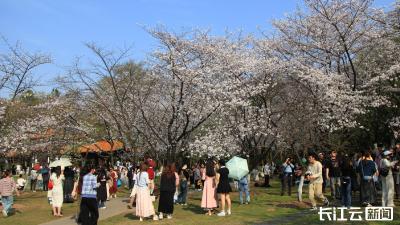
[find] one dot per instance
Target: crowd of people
(211, 178)
(367, 173)
(95, 185)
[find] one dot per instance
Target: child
(21, 183)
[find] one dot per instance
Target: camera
(307, 174)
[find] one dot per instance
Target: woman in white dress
(57, 194)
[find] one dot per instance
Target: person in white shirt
(267, 173)
(314, 175)
(33, 179)
(387, 179)
(21, 183)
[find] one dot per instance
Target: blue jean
(335, 187)
(346, 191)
(244, 190)
(101, 203)
(183, 192)
(7, 202)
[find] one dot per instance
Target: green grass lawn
(266, 207)
(33, 208)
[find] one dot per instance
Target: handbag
(119, 183)
(383, 171)
(50, 185)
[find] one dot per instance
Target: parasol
(238, 168)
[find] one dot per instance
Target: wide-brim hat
(387, 152)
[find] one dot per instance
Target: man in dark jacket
(46, 176)
(131, 176)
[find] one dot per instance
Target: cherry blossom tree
(17, 66)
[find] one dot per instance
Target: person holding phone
(286, 178)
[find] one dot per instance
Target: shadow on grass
(14, 212)
(130, 216)
(194, 208)
(294, 205)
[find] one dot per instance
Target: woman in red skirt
(113, 188)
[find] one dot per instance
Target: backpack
(384, 172)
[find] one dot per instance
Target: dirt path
(114, 207)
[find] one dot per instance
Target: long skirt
(57, 197)
(102, 191)
(209, 198)
(166, 203)
(144, 204)
(113, 188)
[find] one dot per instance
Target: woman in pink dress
(209, 199)
(144, 203)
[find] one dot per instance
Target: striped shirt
(89, 186)
(7, 186)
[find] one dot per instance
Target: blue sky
(60, 27)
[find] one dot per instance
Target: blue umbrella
(238, 168)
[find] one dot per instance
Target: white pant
(300, 189)
(387, 191)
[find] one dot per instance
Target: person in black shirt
(131, 176)
(333, 174)
(167, 191)
(224, 188)
(347, 172)
(183, 185)
(46, 177)
(367, 169)
(68, 184)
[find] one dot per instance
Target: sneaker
(4, 213)
(161, 216)
(169, 217)
(369, 205)
(141, 219)
(326, 202)
(221, 213)
(314, 208)
(228, 212)
(155, 217)
(103, 207)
